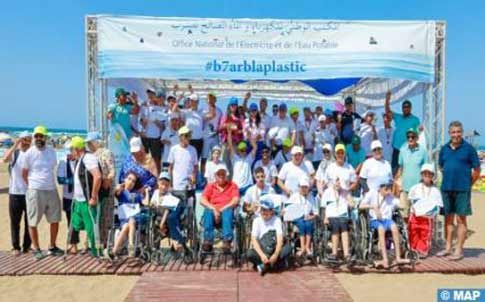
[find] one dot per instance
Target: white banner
(247, 49)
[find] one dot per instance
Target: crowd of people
(315, 159)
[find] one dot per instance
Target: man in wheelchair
(267, 240)
(219, 200)
(381, 205)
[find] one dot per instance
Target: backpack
(268, 242)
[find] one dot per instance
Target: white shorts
(40, 202)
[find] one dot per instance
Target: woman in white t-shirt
(375, 170)
(426, 202)
(293, 171)
(214, 162)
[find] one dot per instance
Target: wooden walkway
(474, 263)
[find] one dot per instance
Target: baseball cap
(328, 113)
(242, 146)
(282, 106)
(24, 134)
(287, 142)
(92, 136)
(375, 144)
(427, 167)
(339, 147)
(220, 167)
(120, 91)
(322, 118)
(327, 146)
(253, 107)
(78, 143)
(150, 91)
(164, 175)
(41, 130)
(355, 140)
(184, 130)
(304, 182)
(369, 112)
(216, 148)
(294, 110)
(161, 93)
(348, 100)
(386, 183)
(135, 144)
(194, 97)
(412, 130)
(296, 150)
(407, 103)
(233, 101)
(212, 93)
(267, 205)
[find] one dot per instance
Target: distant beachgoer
(119, 113)
(17, 189)
(38, 166)
(402, 122)
(460, 165)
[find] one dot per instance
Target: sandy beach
(367, 287)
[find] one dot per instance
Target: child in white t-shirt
(255, 192)
(212, 164)
(241, 163)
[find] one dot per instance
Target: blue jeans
(173, 222)
(227, 224)
(305, 227)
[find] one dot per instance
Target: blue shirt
(127, 197)
(411, 162)
(456, 165)
(355, 158)
(402, 124)
(121, 115)
(145, 177)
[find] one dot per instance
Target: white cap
(184, 130)
(220, 167)
(322, 118)
(369, 112)
(296, 150)
(375, 144)
(427, 167)
(327, 146)
(25, 134)
(216, 148)
(304, 182)
(194, 97)
(135, 144)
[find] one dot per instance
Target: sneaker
(261, 269)
(55, 251)
(38, 255)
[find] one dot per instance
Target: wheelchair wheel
(145, 255)
(361, 237)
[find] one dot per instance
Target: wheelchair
(368, 241)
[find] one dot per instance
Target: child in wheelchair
(253, 195)
(129, 213)
(169, 210)
(381, 205)
(426, 201)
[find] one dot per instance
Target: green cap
(41, 130)
(287, 142)
(242, 146)
(293, 110)
(355, 140)
(77, 142)
(120, 91)
(412, 130)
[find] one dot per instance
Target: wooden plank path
(473, 263)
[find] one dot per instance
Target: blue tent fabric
(326, 87)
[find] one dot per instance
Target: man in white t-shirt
(267, 229)
(293, 171)
(282, 126)
(270, 170)
(16, 192)
(212, 117)
(375, 170)
(170, 138)
(38, 166)
(194, 120)
(183, 165)
(86, 205)
(251, 198)
(152, 119)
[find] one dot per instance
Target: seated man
(381, 205)
(219, 200)
(267, 239)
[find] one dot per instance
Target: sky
(42, 50)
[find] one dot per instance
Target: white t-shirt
(241, 170)
(291, 174)
(284, 128)
(345, 174)
(308, 204)
(172, 136)
(376, 172)
(195, 122)
(261, 226)
(17, 184)
(366, 137)
(152, 114)
(266, 120)
(309, 128)
(336, 205)
(211, 126)
(62, 173)
(385, 136)
(386, 205)
(183, 161)
(270, 170)
(90, 162)
(41, 165)
(210, 170)
(254, 131)
(425, 201)
(254, 193)
(167, 200)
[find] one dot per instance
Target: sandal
(443, 253)
(455, 257)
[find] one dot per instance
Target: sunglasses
(377, 149)
(38, 136)
(412, 136)
(326, 151)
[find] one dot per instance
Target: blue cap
(253, 107)
(93, 136)
(161, 93)
(267, 204)
(233, 101)
(282, 106)
(328, 112)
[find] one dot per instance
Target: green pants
(82, 220)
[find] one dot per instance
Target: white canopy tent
(368, 91)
